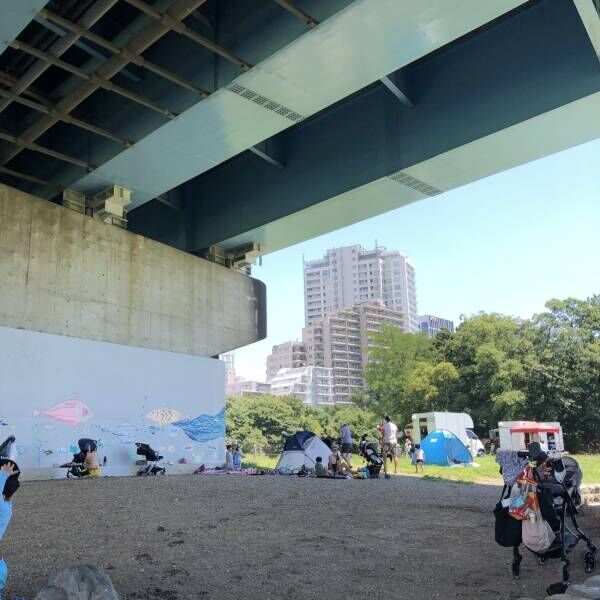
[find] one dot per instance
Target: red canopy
(535, 429)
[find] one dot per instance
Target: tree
(265, 422)
(393, 357)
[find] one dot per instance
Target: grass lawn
(486, 472)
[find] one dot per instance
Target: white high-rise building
(313, 385)
(350, 275)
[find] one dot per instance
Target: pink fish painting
(71, 412)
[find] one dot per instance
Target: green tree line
(497, 368)
(263, 423)
(493, 367)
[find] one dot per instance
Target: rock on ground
(80, 582)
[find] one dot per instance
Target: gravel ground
(268, 537)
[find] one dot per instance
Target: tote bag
(507, 530)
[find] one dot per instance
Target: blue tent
(444, 448)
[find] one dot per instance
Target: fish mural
(126, 433)
(71, 412)
(204, 428)
(164, 416)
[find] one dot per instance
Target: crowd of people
(340, 460)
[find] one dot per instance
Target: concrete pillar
(64, 273)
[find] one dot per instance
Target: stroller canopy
(444, 448)
(300, 449)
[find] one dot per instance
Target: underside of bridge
(271, 121)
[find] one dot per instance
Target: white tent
(300, 449)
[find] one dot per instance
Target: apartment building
(288, 355)
(431, 325)
(313, 385)
(350, 275)
(341, 342)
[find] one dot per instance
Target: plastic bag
(537, 534)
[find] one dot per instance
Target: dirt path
(270, 537)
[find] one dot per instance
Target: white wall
(119, 385)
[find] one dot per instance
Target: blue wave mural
(204, 428)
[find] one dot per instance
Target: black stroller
(6, 448)
(558, 482)
(76, 468)
(370, 452)
(7, 455)
(150, 465)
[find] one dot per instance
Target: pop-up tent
(300, 449)
(444, 448)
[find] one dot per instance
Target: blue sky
(505, 244)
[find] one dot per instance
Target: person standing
(346, 435)
(419, 458)
(408, 448)
(9, 484)
(390, 443)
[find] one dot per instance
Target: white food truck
(517, 435)
(460, 424)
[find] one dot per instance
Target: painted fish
(71, 412)
(204, 428)
(125, 432)
(163, 416)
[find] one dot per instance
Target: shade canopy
(535, 429)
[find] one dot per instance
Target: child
(9, 483)
(229, 458)
(419, 458)
(91, 464)
(335, 461)
(320, 470)
(237, 458)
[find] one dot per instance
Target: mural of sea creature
(163, 416)
(125, 432)
(204, 428)
(71, 412)
(48, 452)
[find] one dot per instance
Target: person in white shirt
(419, 458)
(390, 443)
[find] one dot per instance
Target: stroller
(557, 482)
(370, 452)
(150, 465)
(76, 467)
(8, 448)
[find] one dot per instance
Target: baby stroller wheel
(589, 559)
